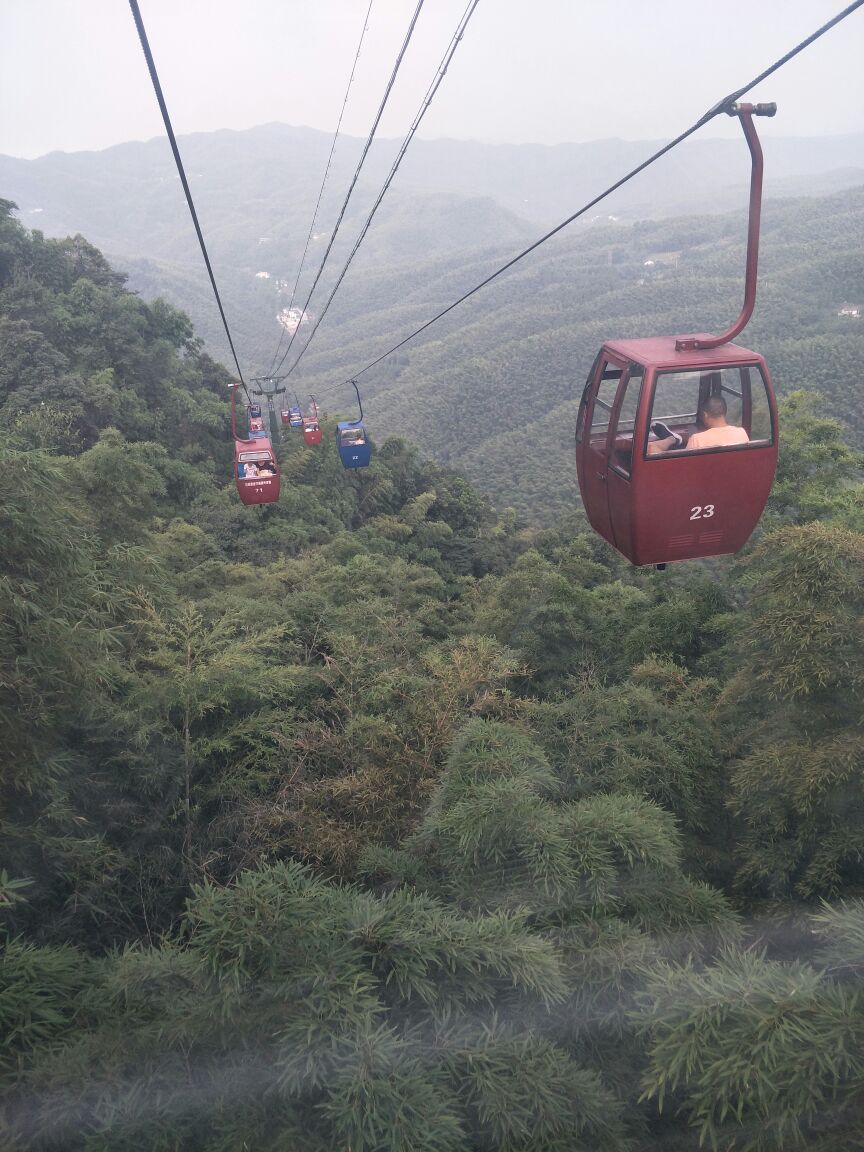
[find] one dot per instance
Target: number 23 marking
(702, 512)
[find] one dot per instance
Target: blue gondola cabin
(352, 441)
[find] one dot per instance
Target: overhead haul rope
(424, 108)
(154, 76)
(721, 106)
(356, 175)
(271, 369)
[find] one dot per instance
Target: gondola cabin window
(255, 463)
(604, 402)
(624, 418)
(616, 403)
(719, 409)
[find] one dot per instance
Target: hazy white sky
(72, 75)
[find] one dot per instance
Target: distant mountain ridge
(539, 182)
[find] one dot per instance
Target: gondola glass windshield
(727, 407)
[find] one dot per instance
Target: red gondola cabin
(312, 433)
(683, 502)
(256, 471)
(676, 439)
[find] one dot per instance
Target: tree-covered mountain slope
(372, 819)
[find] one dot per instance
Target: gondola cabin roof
(660, 352)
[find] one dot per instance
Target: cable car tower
(268, 387)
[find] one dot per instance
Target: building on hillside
(292, 318)
(853, 310)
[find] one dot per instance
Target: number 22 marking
(702, 512)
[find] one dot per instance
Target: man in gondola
(717, 433)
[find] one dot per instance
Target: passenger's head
(714, 411)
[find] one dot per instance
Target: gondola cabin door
(606, 388)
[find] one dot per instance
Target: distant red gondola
(312, 433)
(676, 439)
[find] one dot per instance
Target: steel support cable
(323, 182)
(356, 175)
(424, 108)
(154, 76)
(721, 106)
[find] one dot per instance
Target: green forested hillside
(374, 820)
(493, 388)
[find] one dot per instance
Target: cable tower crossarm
(723, 106)
(356, 176)
(424, 108)
(323, 181)
(163, 108)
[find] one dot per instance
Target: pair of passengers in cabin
(717, 432)
(252, 471)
